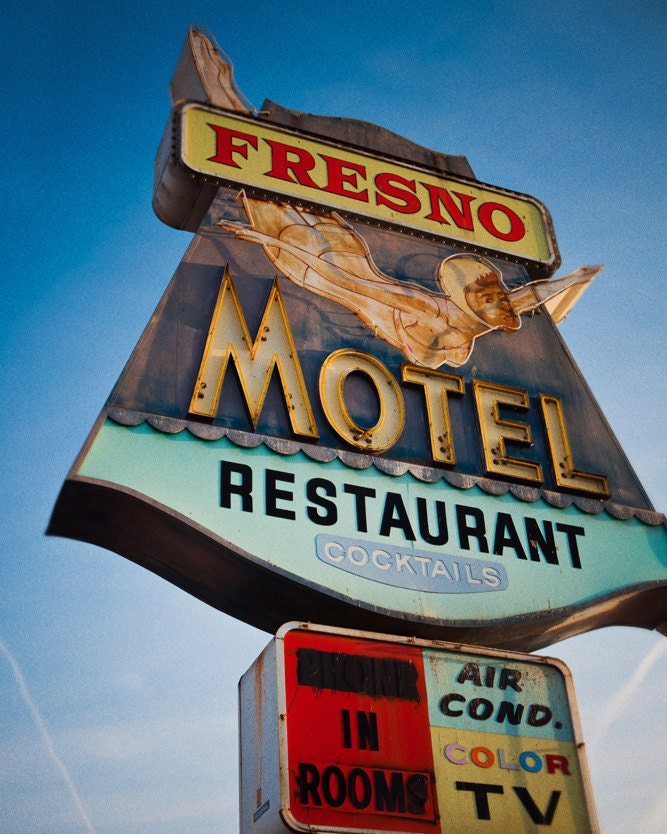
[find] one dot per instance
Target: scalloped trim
(395, 468)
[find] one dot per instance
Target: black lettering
(332, 672)
(273, 494)
(308, 669)
(396, 678)
(475, 530)
(480, 709)
(392, 792)
(539, 715)
(537, 540)
(308, 781)
(243, 489)
(572, 532)
(406, 681)
(355, 777)
(507, 711)
(446, 700)
(481, 793)
(490, 676)
(534, 812)
(442, 536)
(330, 514)
(333, 794)
(507, 536)
(347, 729)
(389, 798)
(511, 678)
(416, 786)
(356, 673)
(360, 495)
(470, 672)
(394, 515)
(379, 677)
(367, 730)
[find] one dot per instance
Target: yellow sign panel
(252, 154)
(504, 783)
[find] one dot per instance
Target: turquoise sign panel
(469, 693)
(396, 545)
(332, 417)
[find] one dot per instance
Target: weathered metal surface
(156, 499)
(229, 149)
(347, 731)
(204, 74)
(160, 376)
(456, 441)
(205, 431)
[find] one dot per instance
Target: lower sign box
(347, 731)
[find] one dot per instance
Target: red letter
(336, 179)
(225, 147)
(485, 214)
(385, 186)
(555, 763)
(462, 217)
(294, 169)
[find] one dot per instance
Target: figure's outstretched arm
(558, 295)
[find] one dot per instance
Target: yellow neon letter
(273, 348)
(561, 455)
(436, 386)
(495, 430)
(335, 370)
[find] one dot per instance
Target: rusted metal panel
(160, 376)
(358, 422)
(349, 731)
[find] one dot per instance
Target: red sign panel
(362, 706)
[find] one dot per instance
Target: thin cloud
(41, 726)
(623, 697)
(653, 821)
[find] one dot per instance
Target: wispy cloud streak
(41, 726)
(623, 696)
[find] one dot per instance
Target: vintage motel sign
(368, 734)
(298, 167)
(353, 404)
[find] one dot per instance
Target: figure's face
(491, 303)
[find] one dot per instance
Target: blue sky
(118, 690)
